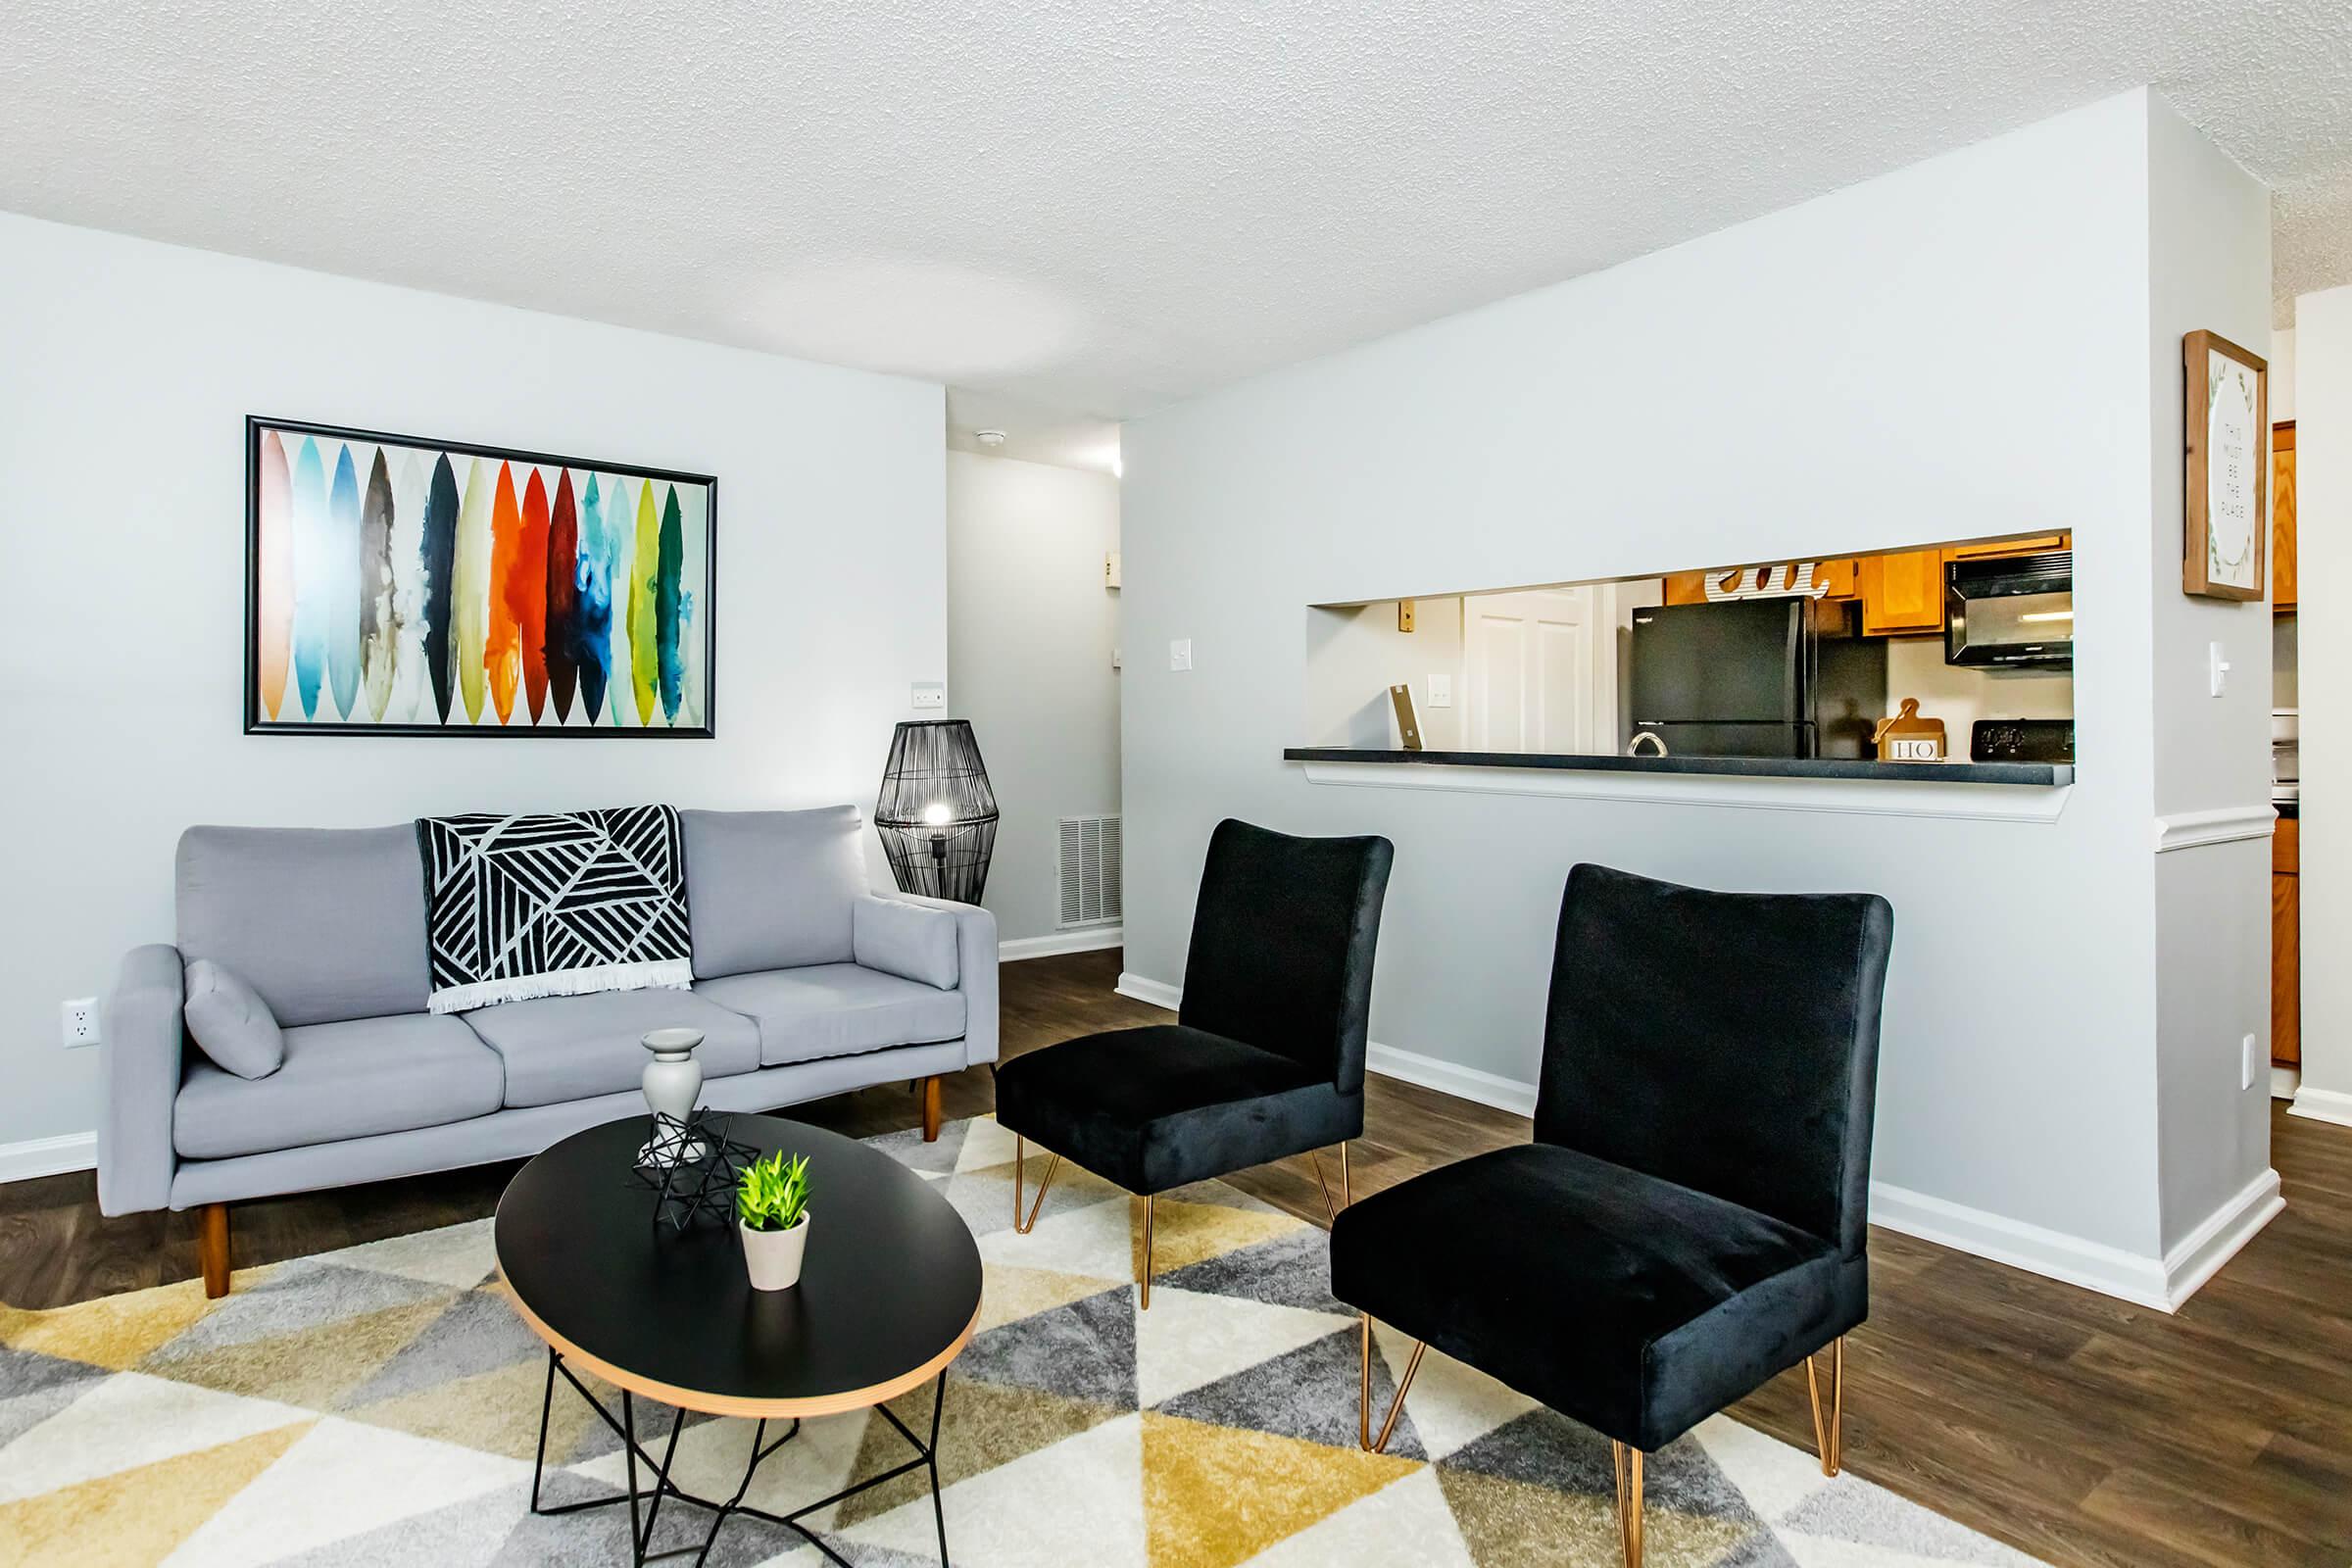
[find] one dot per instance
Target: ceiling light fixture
(989, 438)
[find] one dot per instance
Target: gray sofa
(802, 989)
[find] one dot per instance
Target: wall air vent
(1090, 871)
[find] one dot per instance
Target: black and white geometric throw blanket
(554, 904)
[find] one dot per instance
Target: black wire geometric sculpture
(937, 814)
(693, 1167)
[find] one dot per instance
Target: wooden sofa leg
(212, 1249)
(930, 1093)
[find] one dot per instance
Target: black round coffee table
(888, 1294)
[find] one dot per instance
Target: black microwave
(2014, 610)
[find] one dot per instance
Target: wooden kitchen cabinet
(1994, 548)
(1901, 593)
(1687, 588)
(2282, 516)
(2286, 944)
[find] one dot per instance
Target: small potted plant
(771, 1213)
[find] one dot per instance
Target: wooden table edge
(703, 1404)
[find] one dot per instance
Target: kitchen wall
(127, 369)
(1960, 693)
(1031, 634)
(2324, 558)
(1355, 654)
(1863, 372)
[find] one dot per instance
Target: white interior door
(1530, 681)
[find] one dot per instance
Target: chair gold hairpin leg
(1627, 1461)
(1830, 1437)
(1020, 1158)
(1363, 1409)
(1146, 1280)
(1346, 1182)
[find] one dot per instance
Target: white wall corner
(1091, 940)
(2323, 1105)
(48, 1156)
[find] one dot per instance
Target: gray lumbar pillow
(232, 1023)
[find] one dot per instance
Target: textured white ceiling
(1089, 207)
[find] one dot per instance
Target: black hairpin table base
(643, 1518)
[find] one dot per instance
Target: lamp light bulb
(937, 814)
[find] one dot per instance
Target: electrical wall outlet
(80, 1021)
(1440, 690)
(2248, 1063)
(1180, 654)
(927, 694)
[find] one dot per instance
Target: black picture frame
(257, 723)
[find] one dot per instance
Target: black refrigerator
(1754, 678)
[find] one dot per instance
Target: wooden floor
(2078, 1428)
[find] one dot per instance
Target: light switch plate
(1180, 654)
(1440, 690)
(2247, 1065)
(928, 694)
(2216, 664)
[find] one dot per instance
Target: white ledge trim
(2187, 830)
(1853, 797)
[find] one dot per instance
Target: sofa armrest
(139, 1043)
(976, 959)
(911, 941)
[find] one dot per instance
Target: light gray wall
(127, 369)
(1954, 349)
(2323, 629)
(2209, 227)
(1031, 631)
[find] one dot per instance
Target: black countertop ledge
(2032, 774)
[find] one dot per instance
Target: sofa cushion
(325, 923)
(570, 1048)
(909, 940)
(773, 890)
(836, 1009)
(231, 1023)
(350, 1079)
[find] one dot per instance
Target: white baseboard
(48, 1156)
(2093, 1265)
(2163, 1284)
(2323, 1105)
(1157, 992)
(2285, 1081)
(2199, 1255)
(1091, 940)
(1410, 1066)
(1463, 1083)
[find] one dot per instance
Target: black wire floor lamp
(937, 814)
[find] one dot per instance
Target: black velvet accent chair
(1689, 1221)
(1267, 1057)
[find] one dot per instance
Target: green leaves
(773, 1195)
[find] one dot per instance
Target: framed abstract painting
(400, 586)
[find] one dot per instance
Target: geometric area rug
(379, 1405)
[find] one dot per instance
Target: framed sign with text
(2226, 419)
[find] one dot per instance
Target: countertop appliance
(2022, 740)
(1754, 678)
(2014, 610)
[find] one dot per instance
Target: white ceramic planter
(773, 1257)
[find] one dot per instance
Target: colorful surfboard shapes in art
(404, 586)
